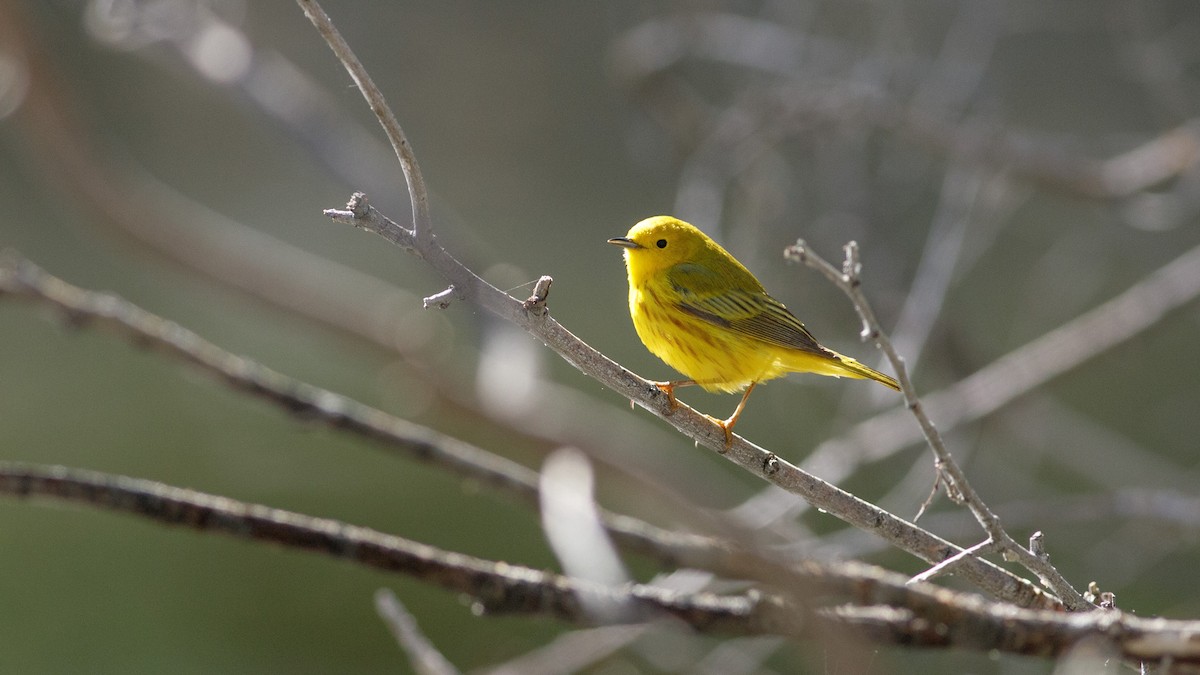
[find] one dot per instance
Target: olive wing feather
(739, 305)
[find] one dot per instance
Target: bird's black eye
(661, 243)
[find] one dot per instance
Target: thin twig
(995, 580)
(848, 279)
(646, 54)
(1015, 374)
(415, 181)
(948, 564)
(578, 650)
(424, 657)
(572, 652)
(124, 197)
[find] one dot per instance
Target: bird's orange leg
(668, 388)
(727, 425)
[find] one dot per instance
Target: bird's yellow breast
(716, 359)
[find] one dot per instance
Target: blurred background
(1005, 167)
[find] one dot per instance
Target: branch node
(358, 205)
(1037, 545)
(1102, 599)
(440, 300)
(771, 464)
(851, 267)
(797, 252)
(356, 213)
(536, 303)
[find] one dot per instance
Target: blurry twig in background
(572, 652)
(422, 655)
(968, 195)
(157, 216)
(167, 222)
(792, 86)
(21, 279)
(646, 55)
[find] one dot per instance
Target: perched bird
(698, 309)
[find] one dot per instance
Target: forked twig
(948, 472)
(415, 181)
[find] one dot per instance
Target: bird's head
(659, 243)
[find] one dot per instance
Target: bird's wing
(748, 310)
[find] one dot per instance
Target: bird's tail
(845, 366)
(829, 362)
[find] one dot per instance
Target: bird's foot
(668, 388)
(726, 427)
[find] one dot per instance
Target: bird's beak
(624, 242)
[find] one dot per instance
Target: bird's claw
(727, 428)
(668, 388)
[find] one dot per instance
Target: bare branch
(883, 604)
(905, 535)
(957, 486)
(495, 587)
(21, 279)
(1022, 370)
(995, 580)
(1043, 634)
(422, 228)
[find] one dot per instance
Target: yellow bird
(702, 312)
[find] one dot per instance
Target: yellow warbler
(698, 309)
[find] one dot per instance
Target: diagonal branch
(495, 587)
(849, 281)
(1015, 374)
(21, 279)
(880, 603)
(994, 580)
